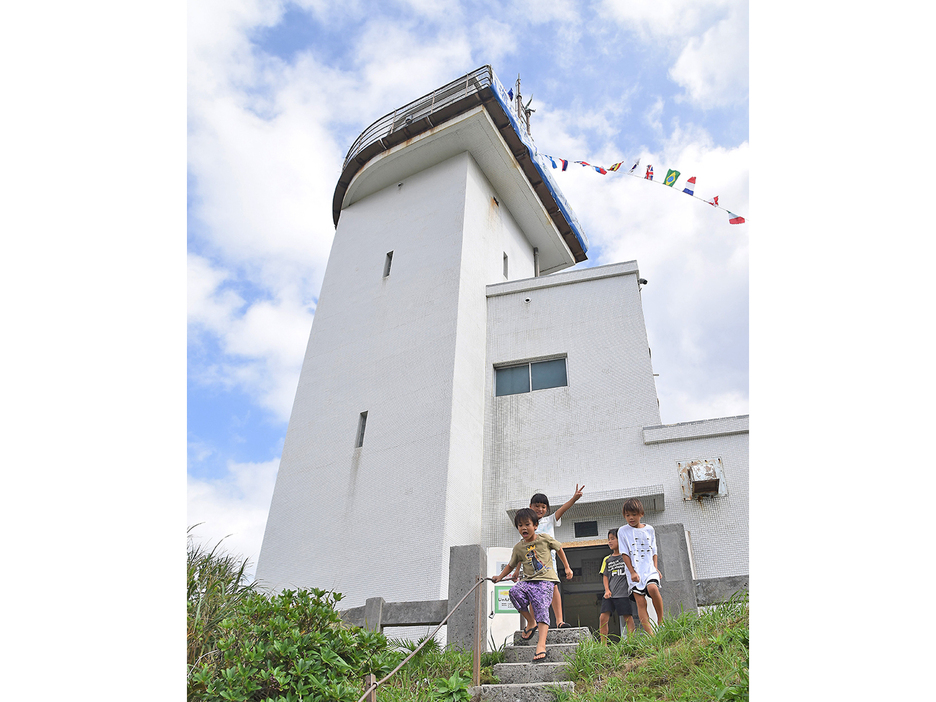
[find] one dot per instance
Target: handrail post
(369, 680)
(479, 617)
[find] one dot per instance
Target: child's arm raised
(572, 501)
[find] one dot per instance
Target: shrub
(289, 646)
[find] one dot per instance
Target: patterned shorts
(539, 593)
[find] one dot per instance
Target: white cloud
(497, 38)
(236, 505)
(656, 20)
(208, 305)
(713, 68)
(710, 37)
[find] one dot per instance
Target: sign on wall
(502, 603)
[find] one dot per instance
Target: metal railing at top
(371, 683)
(468, 84)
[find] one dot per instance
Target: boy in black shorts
(614, 574)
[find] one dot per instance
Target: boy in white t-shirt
(539, 503)
(637, 543)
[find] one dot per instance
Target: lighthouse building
(455, 367)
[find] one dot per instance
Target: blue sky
(277, 92)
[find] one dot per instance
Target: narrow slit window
(360, 430)
(386, 265)
(505, 265)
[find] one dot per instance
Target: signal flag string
(669, 181)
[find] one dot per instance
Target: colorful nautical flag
(735, 219)
(713, 202)
(601, 170)
(616, 166)
(690, 186)
(649, 175)
(565, 164)
(510, 93)
(671, 177)
(634, 167)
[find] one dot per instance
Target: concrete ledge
(528, 692)
(550, 670)
(711, 591)
(703, 429)
(606, 503)
(424, 613)
(566, 278)
(420, 613)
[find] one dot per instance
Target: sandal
(564, 625)
(539, 657)
(527, 634)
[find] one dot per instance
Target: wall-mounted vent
(702, 477)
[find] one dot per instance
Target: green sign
(502, 603)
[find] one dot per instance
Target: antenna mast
(523, 112)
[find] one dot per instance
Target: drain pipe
(535, 262)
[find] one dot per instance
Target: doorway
(582, 596)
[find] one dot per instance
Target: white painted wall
(592, 431)
(410, 350)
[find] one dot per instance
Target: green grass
(419, 679)
(216, 587)
(692, 657)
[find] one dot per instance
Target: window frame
(529, 366)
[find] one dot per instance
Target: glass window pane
(510, 381)
(549, 374)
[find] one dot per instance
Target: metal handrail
(470, 83)
(373, 686)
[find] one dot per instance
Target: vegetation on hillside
(250, 646)
(691, 657)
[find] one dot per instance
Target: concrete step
(556, 636)
(547, 671)
(526, 692)
(554, 652)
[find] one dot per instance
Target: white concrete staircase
(524, 681)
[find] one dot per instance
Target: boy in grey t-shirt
(614, 575)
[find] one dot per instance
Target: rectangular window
(505, 265)
(362, 420)
(510, 381)
(584, 529)
(548, 374)
(386, 266)
(537, 375)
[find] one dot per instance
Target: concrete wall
(604, 429)
(588, 432)
(410, 350)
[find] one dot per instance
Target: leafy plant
(293, 644)
(453, 689)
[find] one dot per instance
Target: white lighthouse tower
(382, 465)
